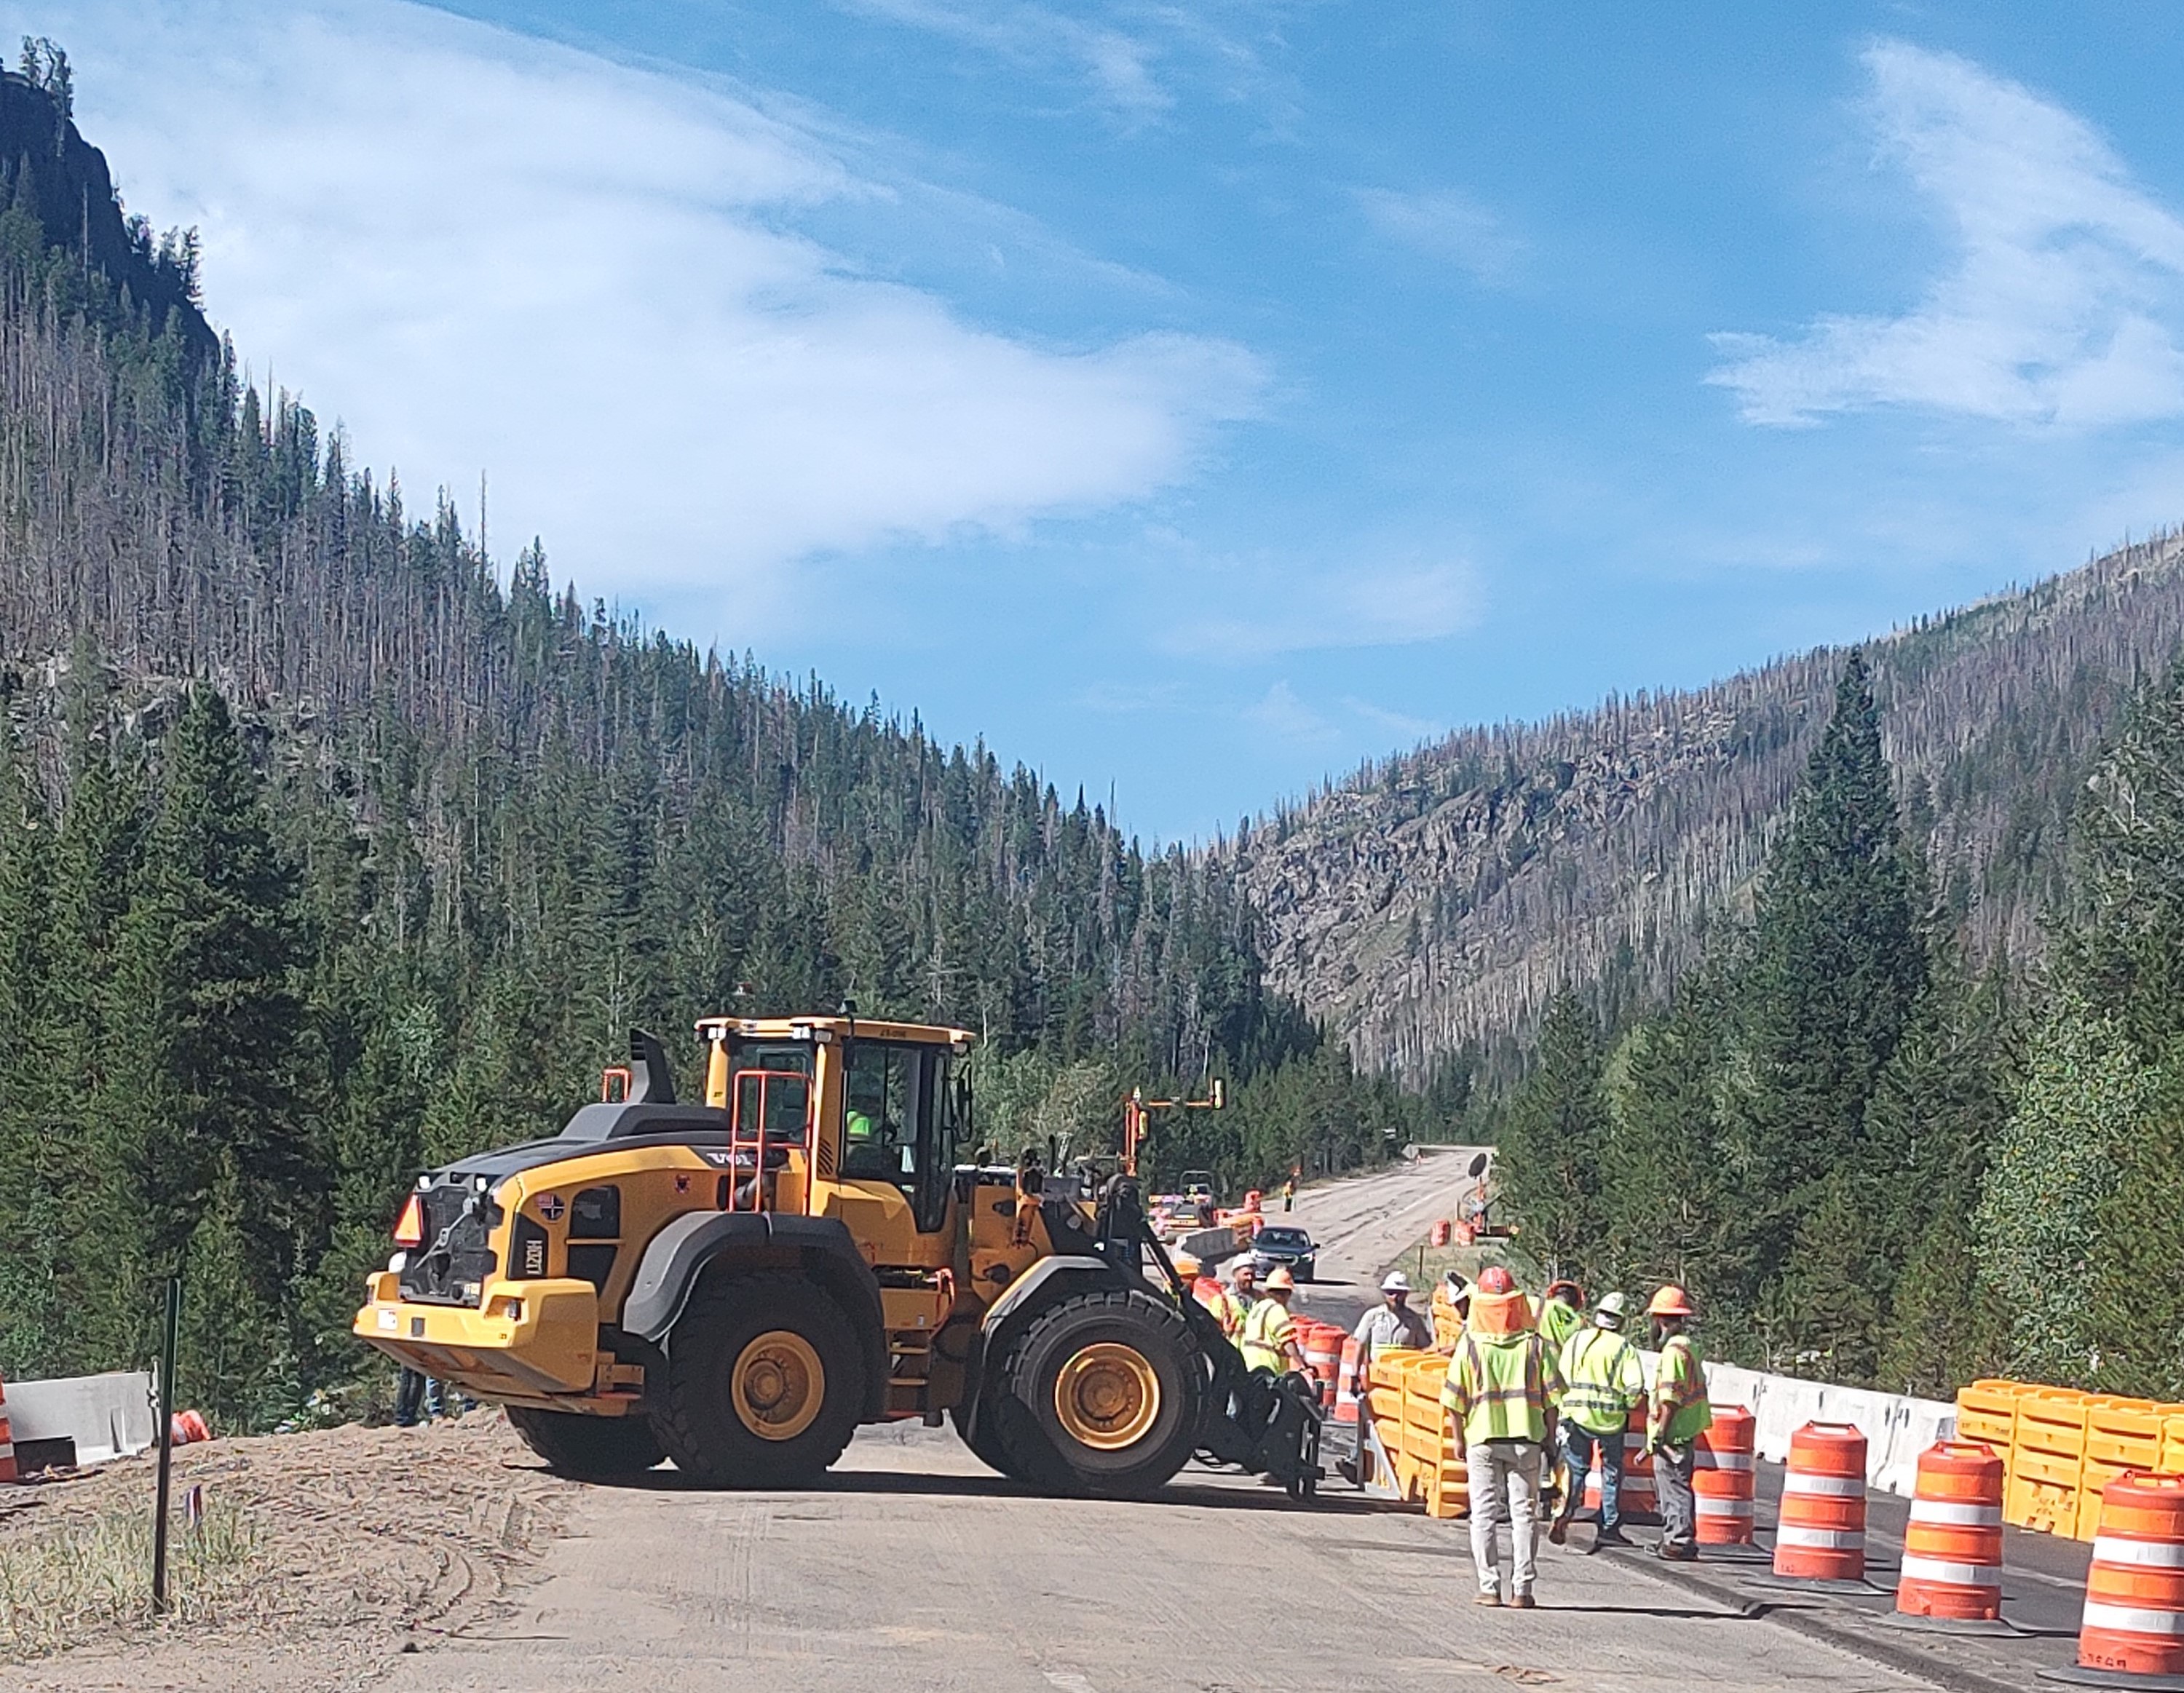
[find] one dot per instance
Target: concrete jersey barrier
(1897, 1427)
(106, 1416)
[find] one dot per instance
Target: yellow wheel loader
(738, 1284)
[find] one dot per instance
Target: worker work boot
(1523, 1602)
(1492, 1596)
(1606, 1538)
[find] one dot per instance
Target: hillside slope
(1434, 903)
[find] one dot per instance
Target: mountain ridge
(1430, 906)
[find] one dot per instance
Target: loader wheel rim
(1107, 1397)
(778, 1386)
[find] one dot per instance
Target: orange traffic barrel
(1953, 1548)
(1821, 1532)
(1723, 1471)
(1345, 1384)
(1321, 1343)
(1637, 1495)
(2134, 1617)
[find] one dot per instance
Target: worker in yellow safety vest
(1680, 1414)
(1501, 1394)
(1562, 1314)
(1270, 1341)
(1602, 1379)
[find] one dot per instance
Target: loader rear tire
(589, 1448)
(764, 1383)
(1103, 1396)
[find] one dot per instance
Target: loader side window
(891, 1131)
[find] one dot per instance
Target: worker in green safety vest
(1270, 1341)
(1603, 1380)
(1562, 1314)
(1501, 1394)
(1680, 1414)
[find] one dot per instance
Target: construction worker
(1602, 1378)
(1391, 1322)
(1452, 1300)
(1289, 1193)
(1270, 1341)
(1562, 1313)
(1501, 1394)
(1237, 1299)
(1187, 1270)
(1680, 1415)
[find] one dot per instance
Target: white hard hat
(1395, 1282)
(1608, 1313)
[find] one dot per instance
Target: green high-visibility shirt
(1557, 1322)
(1605, 1377)
(1680, 1386)
(1268, 1328)
(1502, 1386)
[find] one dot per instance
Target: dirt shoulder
(319, 1557)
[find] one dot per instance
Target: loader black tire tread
(692, 1409)
(589, 1448)
(1027, 1430)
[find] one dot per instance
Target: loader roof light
(409, 1227)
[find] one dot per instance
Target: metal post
(166, 1443)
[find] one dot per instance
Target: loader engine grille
(451, 1266)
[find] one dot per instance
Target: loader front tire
(1102, 1395)
(764, 1382)
(589, 1448)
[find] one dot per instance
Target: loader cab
(878, 1112)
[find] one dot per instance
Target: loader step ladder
(769, 1114)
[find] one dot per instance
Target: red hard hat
(1495, 1279)
(1670, 1301)
(1565, 1285)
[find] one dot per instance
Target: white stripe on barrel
(2139, 1554)
(1722, 1507)
(1918, 1569)
(2132, 1618)
(1829, 1486)
(1822, 1539)
(1943, 1512)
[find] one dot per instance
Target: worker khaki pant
(1505, 1488)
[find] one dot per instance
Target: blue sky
(1195, 399)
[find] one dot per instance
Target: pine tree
(1666, 1197)
(1837, 964)
(2054, 1173)
(1550, 1162)
(207, 1003)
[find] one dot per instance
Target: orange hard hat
(1495, 1279)
(1565, 1285)
(1281, 1281)
(1670, 1301)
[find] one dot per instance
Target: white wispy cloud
(1131, 58)
(2065, 285)
(1448, 224)
(485, 252)
(1283, 714)
(1117, 63)
(1258, 610)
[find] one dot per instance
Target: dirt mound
(307, 1561)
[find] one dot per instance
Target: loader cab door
(900, 1108)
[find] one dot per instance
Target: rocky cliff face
(1435, 902)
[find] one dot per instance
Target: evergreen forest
(1870, 1163)
(330, 851)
